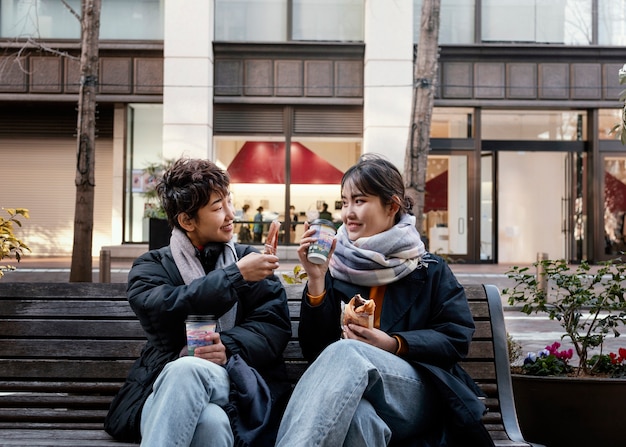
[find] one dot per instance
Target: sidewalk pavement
(533, 332)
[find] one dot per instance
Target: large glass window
(145, 147)
(612, 22)
(120, 19)
(456, 21)
(259, 178)
(452, 122)
(251, 20)
(534, 125)
(339, 20)
(538, 21)
(269, 21)
(614, 205)
(608, 119)
(132, 20)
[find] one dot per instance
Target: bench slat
(42, 414)
(67, 386)
(77, 349)
(31, 369)
(62, 328)
(94, 437)
(88, 309)
(51, 290)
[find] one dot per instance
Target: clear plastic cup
(325, 234)
(198, 327)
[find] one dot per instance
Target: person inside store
(170, 397)
(397, 382)
(293, 216)
(244, 236)
(325, 214)
(257, 228)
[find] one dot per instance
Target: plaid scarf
(380, 259)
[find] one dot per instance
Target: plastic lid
(328, 223)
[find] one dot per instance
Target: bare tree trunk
(85, 158)
(424, 86)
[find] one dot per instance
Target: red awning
(436, 198)
(264, 162)
(614, 193)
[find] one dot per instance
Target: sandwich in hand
(359, 311)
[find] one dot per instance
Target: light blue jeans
(357, 395)
(184, 408)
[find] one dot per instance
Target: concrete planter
(570, 411)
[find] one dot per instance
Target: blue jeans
(355, 394)
(184, 408)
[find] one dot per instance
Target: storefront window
(535, 125)
(145, 143)
(119, 19)
(456, 21)
(537, 21)
(259, 178)
(612, 22)
(608, 119)
(614, 205)
(452, 122)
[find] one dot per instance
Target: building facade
(286, 94)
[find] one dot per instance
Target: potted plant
(582, 398)
(158, 229)
(10, 245)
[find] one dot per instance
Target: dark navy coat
(429, 310)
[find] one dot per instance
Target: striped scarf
(380, 259)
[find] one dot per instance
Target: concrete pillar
(188, 79)
(388, 74)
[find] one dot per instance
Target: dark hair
(376, 176)
(187, 186)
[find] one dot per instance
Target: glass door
(487, 206)
(446, 222)
(531, 193)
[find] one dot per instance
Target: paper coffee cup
(198, 327)
(324, 234)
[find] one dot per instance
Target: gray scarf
(190, 268)
(380, 259)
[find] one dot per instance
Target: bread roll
(359, 311)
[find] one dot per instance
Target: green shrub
(10, 245)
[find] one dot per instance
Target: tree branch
(42, 46)
(71, 10)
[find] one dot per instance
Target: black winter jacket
(162, 301)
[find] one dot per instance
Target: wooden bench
(65, 349)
